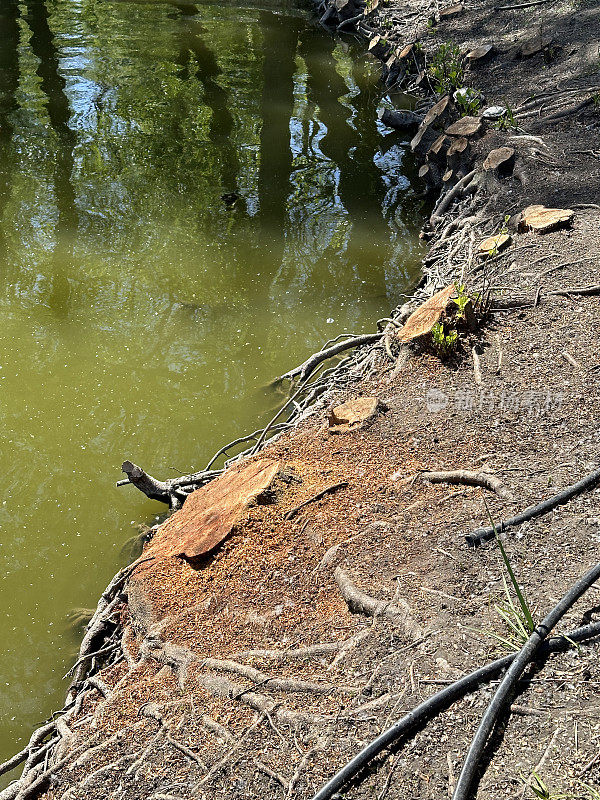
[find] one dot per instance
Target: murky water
(139, 313)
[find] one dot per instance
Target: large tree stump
(209, 514)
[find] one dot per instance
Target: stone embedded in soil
(494, 244)
(425, 317)
(501, 159)
(210, 513)
(465, 126)
(541, 219)
(353, 414)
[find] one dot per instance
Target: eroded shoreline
(257, 671)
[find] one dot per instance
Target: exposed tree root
(359, 602)
(463, 477)
(268, 682)
(222, 687)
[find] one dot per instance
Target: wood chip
(541, 219)
(425, 317)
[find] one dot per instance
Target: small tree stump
(451, 11)
(465, 126)
(541, 219)
(480, 55)
(438, 112)
(423, 139)
(379, 48)
(500, 159)
(437, 151)
(494, 244)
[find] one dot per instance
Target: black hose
(481, 535)
(514, 672)
(445, 697)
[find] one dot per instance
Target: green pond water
(140, 316)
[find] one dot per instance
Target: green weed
(446, 69)
(444, 342)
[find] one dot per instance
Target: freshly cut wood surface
(209, 514)
(542, 219)
(352, 414)
(424, 318)
(465, 126)
(500, 158)
(493, 244)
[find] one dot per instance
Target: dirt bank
(303, 622)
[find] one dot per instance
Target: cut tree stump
(451, 11)
(210, 513)
(541, 219)
(353, 414)
(437, 112)
(535, 46)
(480, 54)
(379, 47)
(500, 159)
(494, 244)
(407, 52)
(465, 126)
(437, 151)
(425, 317)
(458, 154)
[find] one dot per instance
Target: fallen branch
(463, 477)
(359, 602)
(481, 535)
(431, 707)
(504, 692)
(328, 489)
(583, 290)
(568, 112)
(523, 5)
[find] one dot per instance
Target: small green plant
(468, 103)
(446, 69)
(444, 341)
(517, 615)
(507, 121)
(462, 301)
(540, 789)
